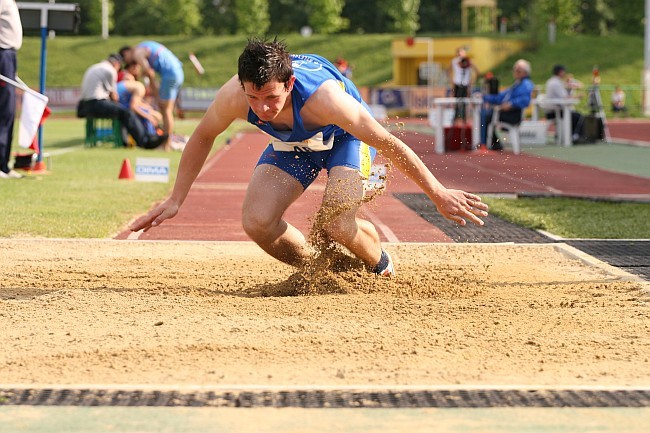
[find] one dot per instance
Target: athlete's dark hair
(263, 61)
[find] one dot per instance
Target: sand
(218, 313)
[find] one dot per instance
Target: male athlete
(316, 120)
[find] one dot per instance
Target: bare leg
(342, 200)
(167, 111)
(270, 192)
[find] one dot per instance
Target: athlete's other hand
(457, 205)
(155, 217)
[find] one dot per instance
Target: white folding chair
(511, 130)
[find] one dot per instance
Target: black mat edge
(454, 398)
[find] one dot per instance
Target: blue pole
(42, 86)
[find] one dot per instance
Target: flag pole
(39, 165)
(20, 84)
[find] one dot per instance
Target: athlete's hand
(155, 217)
(459, 206)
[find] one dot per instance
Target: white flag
(33, 107)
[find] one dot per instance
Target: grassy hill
(619, 57)
(69, 56)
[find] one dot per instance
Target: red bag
(458, 137)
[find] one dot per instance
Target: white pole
(646, 61)
(104, 19)
(51, 34)
(430, 72)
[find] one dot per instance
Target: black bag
(593, 129)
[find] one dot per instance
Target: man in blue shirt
(316, 120)
(511, 101)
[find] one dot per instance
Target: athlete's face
(268, 101)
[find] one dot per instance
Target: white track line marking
(388, 233)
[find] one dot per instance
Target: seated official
(511, 102)
(556, 89)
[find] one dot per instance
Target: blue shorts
(170, 83)
(347, 151)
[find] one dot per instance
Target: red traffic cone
(126, 172)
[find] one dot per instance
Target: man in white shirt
(556, 89)
(461, 73)
(11, 39)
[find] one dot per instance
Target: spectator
(131, 93)
(11, 39)
(317, 121)
(574, 86)
(490, 84)
(556, 89)
(460, 74)
(344, 67)
(511, 102)
(99, 99)
(156, 58)
(618, 101)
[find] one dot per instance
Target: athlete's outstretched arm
(228, 104)
(333, 105)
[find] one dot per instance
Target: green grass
(69, 56)
(82, 196)
(575, 218)
(618, 57)
(609, 156)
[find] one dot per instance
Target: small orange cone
(39, 168)
(126, 172)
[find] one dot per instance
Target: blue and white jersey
(311, 71)
(124, 95)
(160, 58)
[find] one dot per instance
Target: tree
(252, 17)
(629, 16)
(182, 17)
(517, 13)
(565, 13)
(325, 16)
(442, 16)
(597, 17)
(90, 17)
(287, 16)
(365, 16)
(218, 17)
(403, 14)
(137, 17)
(156, 17)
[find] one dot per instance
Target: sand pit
(208, 313)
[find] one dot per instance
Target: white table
(566, 105)
(473, 104)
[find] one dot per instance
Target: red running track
(212, 210)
